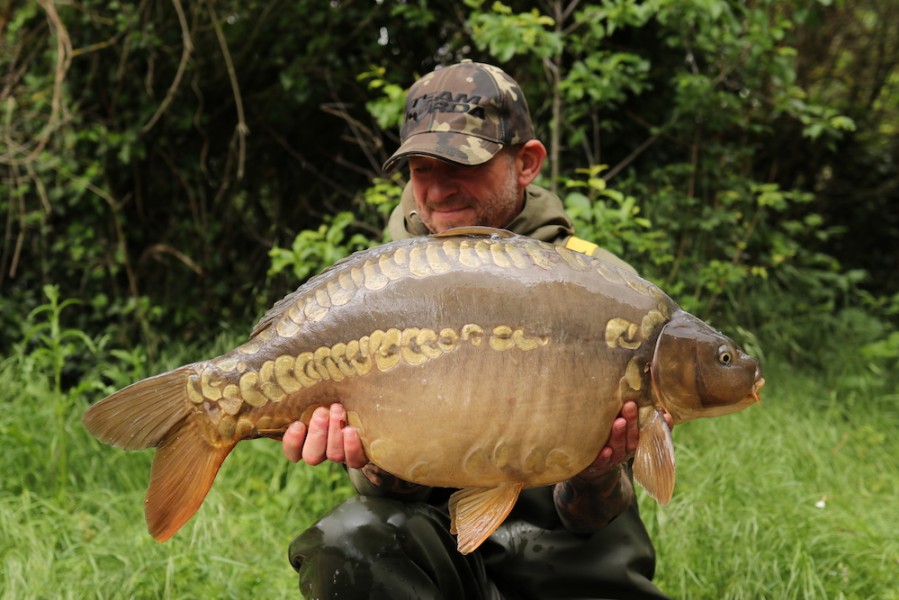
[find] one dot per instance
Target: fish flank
(418, 263)
(312, 303)
(384, 350)
(576, 260)
(467, 255)
(436, 258)
(500, 257)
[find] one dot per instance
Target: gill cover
(699, 372)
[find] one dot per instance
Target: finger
(603, 460)
(352, 444)
(618, 441)
(629, 411)
(633, 430)
(292, 442)
(314, 450)
(337, 422)
(600, 466)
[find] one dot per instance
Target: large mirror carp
(474, 359)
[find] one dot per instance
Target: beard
(496, 207)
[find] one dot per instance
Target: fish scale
(432, 259)
(475, 359)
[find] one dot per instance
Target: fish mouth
(756, 387)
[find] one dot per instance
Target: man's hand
(622, 442)
(328, 437)
(594, 497)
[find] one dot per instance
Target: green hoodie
(543, 217)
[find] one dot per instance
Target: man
(472, 156)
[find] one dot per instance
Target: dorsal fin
(275, 311)
(476, 231)
(281, 305)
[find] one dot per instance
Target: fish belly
(483, 417)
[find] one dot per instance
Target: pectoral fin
(475, 513)
(654, 460)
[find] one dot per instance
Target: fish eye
(725, 356)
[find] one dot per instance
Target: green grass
(795, 498)
(80, 533)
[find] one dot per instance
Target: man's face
(449, 195)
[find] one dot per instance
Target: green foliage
(154, 162)
(882, 347)
(605, 78)
(388, 108)
(505, 34)
(610, 218)
(154, 155)
(47, 344)
(312, 250)
(384, 195)
(47, 348)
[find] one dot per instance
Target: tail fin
(142, 414)
(183, 470)
(156, 412)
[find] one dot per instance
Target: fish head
(700, 372)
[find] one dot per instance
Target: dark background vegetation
(176, 166)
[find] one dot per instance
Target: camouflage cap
(464, 113)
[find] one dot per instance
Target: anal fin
(654, 459)
(475, 513)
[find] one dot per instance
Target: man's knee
(381, 548)
(362, 528)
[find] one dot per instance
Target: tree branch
(242, 129)
(187, 48)
(63, 61)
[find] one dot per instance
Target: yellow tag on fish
(582, 246)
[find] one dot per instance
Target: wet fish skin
(446, 351)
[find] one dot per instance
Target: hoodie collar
(543, 217)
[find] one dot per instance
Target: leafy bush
(313, 250)
(156, 161)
